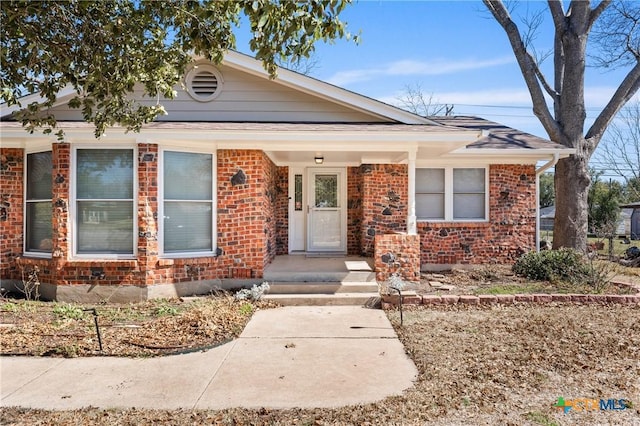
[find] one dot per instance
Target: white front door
(327, 213)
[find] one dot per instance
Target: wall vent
(204, 83)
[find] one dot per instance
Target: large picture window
(188, 202)
(104, 201)
(454, 194)
(38, 208)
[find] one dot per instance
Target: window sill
(455, 224)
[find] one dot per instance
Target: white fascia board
(509, 152)
(61, 97)
(271, 140)
(324, 90)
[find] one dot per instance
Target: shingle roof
(499, 136)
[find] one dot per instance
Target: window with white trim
(38, 209)
(452, 194)
(104, 197)
(188, 202)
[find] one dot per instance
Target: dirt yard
(483, 365)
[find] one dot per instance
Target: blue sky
(453, 49)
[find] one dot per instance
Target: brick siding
(384, 202)
(509, 232)
(354, 211)
(11, 209)
(252, 221)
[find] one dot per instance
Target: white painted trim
(411, 217)
(214, 202)
(342, 179)
(448, 194)
(293, 171)
(39, 254)
(72, 205)
(539, 171)
(24, 101)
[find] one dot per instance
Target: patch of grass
(68, 311)
(525, 288)
(539, 418)
(67, 351)
(166, 309)
(14, 307)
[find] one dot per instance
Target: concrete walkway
(302, 356)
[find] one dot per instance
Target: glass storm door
(326, 222)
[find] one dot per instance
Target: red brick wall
(269, 197)
(247, 225)
(354, 211)
(148, 247)
(384, 202)
(405, 260)
(246, 212)
(282, 211)
(509, 232)
(61, 159)
(11, 209)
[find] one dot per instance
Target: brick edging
(389, 301)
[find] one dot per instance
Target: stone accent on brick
(11, 209)
(397, 253)
(509, 232)
(354, 211)
(282, 211)
(384, 202)
(247, 212)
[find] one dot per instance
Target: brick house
(243, 169)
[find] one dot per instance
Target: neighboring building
(244, 168)
(548, 214)
(547, 218)
(634, 220)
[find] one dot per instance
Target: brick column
(11, 210)
(147, 212)
(61, 159)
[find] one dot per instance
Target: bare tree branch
(619, 151)
(416, 101)
(625, 91)
(528, 67)
(597, 11)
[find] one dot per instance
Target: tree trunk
(572, 182)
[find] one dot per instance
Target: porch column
(411, 219)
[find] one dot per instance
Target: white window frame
(448, 194)
(42, 254)
(73, 202)
(214, 203)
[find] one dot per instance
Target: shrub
(552, 265)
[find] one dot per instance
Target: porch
(322, 279)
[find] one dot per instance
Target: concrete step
(358, 299)
(322, 287)
(320, 276)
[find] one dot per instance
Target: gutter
(554, 160)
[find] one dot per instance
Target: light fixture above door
(319, 159)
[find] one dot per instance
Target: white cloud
(412, 67)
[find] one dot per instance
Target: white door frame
(342, 205)
(297, 218)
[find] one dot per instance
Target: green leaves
(105, 50)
